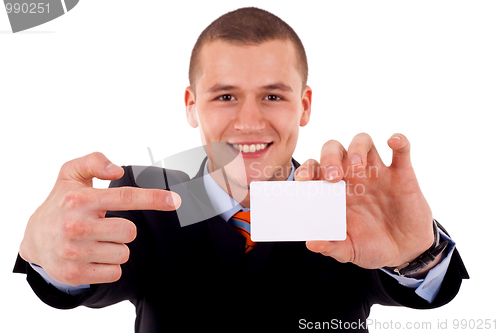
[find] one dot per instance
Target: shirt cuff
(66, 288)
(428, 287)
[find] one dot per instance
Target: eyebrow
(218, 87)
(278, 86)
(221, 87)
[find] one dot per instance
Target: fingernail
(396, 137)
(303, 173)
(356, 160)
(331, 173)
(173, 200)
(113, 168)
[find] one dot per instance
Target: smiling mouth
(250, 148)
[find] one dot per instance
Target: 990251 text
(27, 8)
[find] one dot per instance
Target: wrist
(425, 261)
(423, 272)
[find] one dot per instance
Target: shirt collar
(224, 205)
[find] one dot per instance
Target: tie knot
(241, 222)
(242, 216)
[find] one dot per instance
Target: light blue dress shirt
(225, 206)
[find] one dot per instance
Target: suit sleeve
(384, 289)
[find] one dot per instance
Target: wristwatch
(424, 259)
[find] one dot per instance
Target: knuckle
(73, 199)
(157, 198)
(66, 167)
(71, 275)
(332, 152)
(95, 157)
(92, 160)
(126, 195)
(358, 146)
(68, 252)
(74, 229)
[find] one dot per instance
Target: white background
(109, 76)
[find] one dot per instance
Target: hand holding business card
(297, 211)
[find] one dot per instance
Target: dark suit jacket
(197, 275)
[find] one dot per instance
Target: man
(248, 92)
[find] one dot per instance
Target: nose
(249, 117)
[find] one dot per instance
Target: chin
(242, 180)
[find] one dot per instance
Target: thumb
(89, 166)
(339, 250)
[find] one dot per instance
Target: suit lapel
(229, 245)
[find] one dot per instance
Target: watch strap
(424, 259)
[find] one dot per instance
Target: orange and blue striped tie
(241, 222)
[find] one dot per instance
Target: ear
(306, 105)
(190, 102)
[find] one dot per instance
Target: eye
(226, 98)
(273, 98)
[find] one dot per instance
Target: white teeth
(250, 148)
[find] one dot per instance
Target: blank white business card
(297, 211)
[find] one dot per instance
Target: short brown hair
(248, 26)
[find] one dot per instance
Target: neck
(240, 191)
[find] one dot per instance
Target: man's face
(250, 98)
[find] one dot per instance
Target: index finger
(133, 198)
